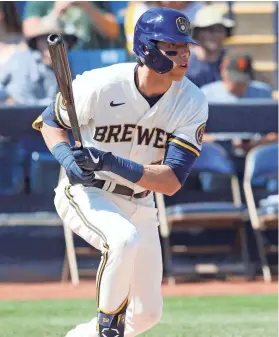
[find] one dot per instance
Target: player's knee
(147, 320)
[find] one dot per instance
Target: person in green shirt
(91, 22)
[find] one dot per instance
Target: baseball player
(142, 126)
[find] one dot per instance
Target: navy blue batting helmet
(160, 24)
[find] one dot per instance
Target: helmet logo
(183, 25)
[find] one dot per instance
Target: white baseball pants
(126, 232)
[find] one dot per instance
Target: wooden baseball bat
(61, 68)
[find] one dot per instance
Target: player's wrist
(126, 168)
(63, 154)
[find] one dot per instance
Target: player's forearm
(53, 136)
(159, 178)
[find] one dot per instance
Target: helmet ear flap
(154, 59)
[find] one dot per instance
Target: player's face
(179, 53)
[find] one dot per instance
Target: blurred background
(224, 221)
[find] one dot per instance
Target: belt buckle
(133, 193)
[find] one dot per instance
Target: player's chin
(178, 72)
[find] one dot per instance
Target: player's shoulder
(192, 94)
(192, 104)
(109, 75)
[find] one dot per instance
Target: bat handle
(78, 145)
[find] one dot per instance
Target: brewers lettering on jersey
(141, 126)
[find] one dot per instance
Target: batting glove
(92, 159)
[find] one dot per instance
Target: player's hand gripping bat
(62, 72)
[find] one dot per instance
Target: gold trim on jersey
(185, 144)
(58, 102)
(38, 123)
(62, 103)
(95, 230)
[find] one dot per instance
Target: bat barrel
(62, 72)
(54, 39)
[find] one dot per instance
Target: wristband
(63, 154)
(125, 168)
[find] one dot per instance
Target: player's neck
(150, 83)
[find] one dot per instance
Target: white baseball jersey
(115, 117)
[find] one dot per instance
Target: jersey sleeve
(85, 95)
(189, 133)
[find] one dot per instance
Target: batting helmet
(160, 24)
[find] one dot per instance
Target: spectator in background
(136, 8)
(11, 38)
(236, 82)
(210, 28)
(28, 78)
(188, 8)
(91, 22)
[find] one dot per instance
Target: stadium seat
(44, 173)
(262, 163)
(82, 60)
(198, 218)
(11, 169)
